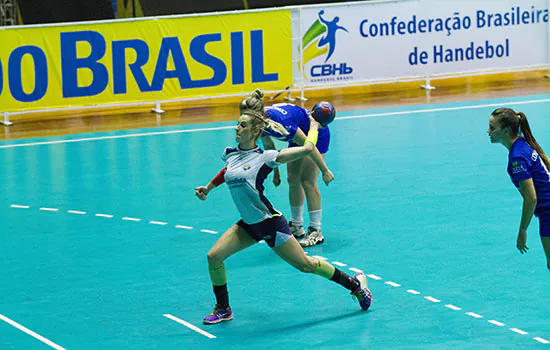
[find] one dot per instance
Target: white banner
(405, 39)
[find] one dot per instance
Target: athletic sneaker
(297, 231)
(362, 293)
(219, 314)
(312, 237)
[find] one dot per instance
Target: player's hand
(328, 177)
(313, 123)
(201, 192)
(522, 241)
(276, 177)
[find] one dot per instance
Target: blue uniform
(293, 117)
(525, 163)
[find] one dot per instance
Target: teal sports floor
(103, 243)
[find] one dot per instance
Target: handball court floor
(104, 244)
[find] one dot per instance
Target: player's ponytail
(265, 123)
(530, 139)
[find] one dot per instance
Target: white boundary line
(169, 132)
(189, 325)
(31, 333)
(49, 209)
(519, 331)
(78, 212)
(452, 307)
(210, 231)
(115, 137)
(393, 284)
(432, 299)
(539, 339)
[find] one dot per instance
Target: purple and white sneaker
(362, 294)
(219, 314)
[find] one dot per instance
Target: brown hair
(507, 117)
(253, 102)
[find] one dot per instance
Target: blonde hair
(253, 102)
(259, 120)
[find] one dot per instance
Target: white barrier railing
(377, 42)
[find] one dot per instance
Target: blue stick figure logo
(330, 36)
(320, 39)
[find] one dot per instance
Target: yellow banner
(145, 60)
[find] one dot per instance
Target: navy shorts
(544, 222)
(322, 141)
(274, 231)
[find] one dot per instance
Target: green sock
(324, 269)
(217, 275)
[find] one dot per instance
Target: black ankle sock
(222, 296)
(345, 280)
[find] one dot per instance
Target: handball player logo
(320, 39)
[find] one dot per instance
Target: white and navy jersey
(245, 175)
(525, 163)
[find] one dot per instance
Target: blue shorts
(544, 222)
(322, 141)
(274, 231)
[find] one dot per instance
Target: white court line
(76, 212)
(210, 231)
(432, 299)
(445, 109)
(115, 137)
(473, 314)
(519, 331)
(184, 227)
(189, 325)
(20, 206)
(158, 223)
(500, 324)
(544, 341)
(412, 291)
(49, 209)
(374, 277)
(31, 333)
(355, 270)
(104, 215)
(131, 219)
(452, 307)
(393, 284)
(337, 263)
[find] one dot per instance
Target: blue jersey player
(302, 173)
(246, 168)
(528, 169)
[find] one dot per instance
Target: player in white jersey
(302, 173)
(247, 166)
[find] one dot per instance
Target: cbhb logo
(320, 39)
